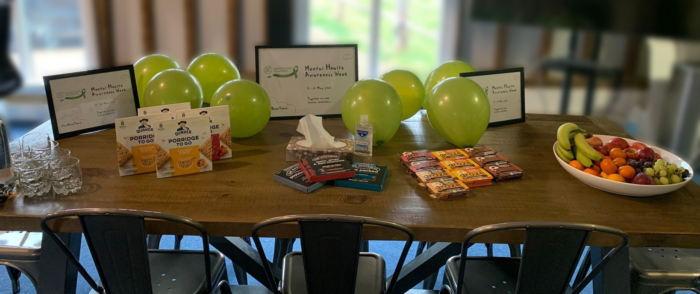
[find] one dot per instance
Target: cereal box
(219, 145)
(136, 151)
(179, 146)
(170, 108)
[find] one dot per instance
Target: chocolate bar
(415, 156)
(458, 163)
(486, 159)
(294, 177)
(326, 167)
(504, 171)
(367, 177)
(419, 166)
(450, 154)
(447, 189)
(472, 177)
(425, 177)
(479, 151)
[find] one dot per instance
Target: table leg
(566, 92)
(245, 256)
(425, 265)
(615, 277)
(590, 94)
(57, 274)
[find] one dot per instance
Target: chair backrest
(551, 252)
(117, 242)
(327, 237)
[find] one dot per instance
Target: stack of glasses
(39, 164)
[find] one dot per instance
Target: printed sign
(303, 80)
(90, 101)
(505, 89)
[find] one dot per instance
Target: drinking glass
(66, 176)
(58, 155)
(41, 149)
(34, 137)
(34, 177)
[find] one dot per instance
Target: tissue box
(296, 152)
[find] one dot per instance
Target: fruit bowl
(628, 189)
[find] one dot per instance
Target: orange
(617, 153)
(619, 162)
(603, 175)
(616, 178)
(595, 167)
(577, 165)
(591, 172)
(627, 172)
(608, 166)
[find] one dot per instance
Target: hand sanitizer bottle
(363, 137)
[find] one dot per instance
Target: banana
(585, 161)
(584, 148)
(563, 134)
(564, 154)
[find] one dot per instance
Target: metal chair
(331, 261)
(117, 242)
(550, 255)
(664, 270)
(20, 253)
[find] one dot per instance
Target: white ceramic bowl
(628, 189)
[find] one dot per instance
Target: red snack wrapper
(504, 171)
(479, 151)
(426, 177)
(447, 189)
(486, 159)
(419, 166)
(415, 156)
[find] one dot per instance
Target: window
(47, 38)
(404, 34)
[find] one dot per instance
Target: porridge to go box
(219, 145)
(136, 149)
(180, 146)
(170, 109)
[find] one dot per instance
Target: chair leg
(420, 248)
(365, 246)
(429, 282)
(153, 241)
(583, 270)
(282, 247)
(489, 250)
(241, 275)
(14, 279)
(515, 250)
(178, 240)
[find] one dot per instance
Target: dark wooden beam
(233, 25)
(191, 28)
(501, 45)
(147, 26)
(104, 31)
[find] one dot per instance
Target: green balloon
(446, 70)
(248, 105)
(409, 88)
(173, 86)
(380, 102)
(459, 110)
(212, 70)
(149, 66)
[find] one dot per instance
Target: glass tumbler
(34, 177)
(42, 149)
(66, 176)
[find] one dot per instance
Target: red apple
(619, 143)
(642, 179)
(609, 146)
(646, 153)
(595, 141)
(638, 145)
(657, 156)
(602, 150)
(631, 153)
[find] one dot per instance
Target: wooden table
(241, 191)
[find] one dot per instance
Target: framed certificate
(90, 101)
(306, 79)
(505, 89)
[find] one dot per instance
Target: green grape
(649, 171)
(657, 181)
(663, 173)
(673, 166)
(681, 170)
(664, 181)
(658, 168)
(675, 179)
(660, 162)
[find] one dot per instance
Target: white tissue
(315, 135)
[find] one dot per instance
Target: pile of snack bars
(313, 172)
(449, 174)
